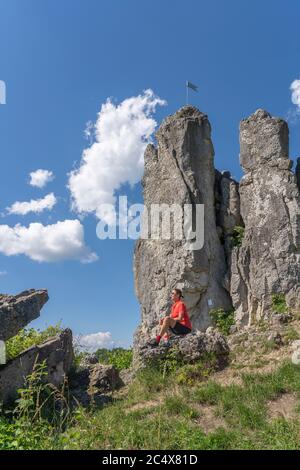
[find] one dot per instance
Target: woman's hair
(179, 292)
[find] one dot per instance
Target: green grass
(279, 303)
(162, 408)
(172, 419)
(290, 335)
(246, 406)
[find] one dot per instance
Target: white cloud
(295, 87)
(34, 205)
(3, 273)
(60, 241)
(94, 341)
(117, 155)
(40, 178)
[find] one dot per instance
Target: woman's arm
(179, 317)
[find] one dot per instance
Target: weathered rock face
(298, 172)
(104, 378)
(180, 171)
(268, 261)
(58, 354)
(228, 215)
(16, 311)
(189, 349)
(94, 382)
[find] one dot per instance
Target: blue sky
(62, 60)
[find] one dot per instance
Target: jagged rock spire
(268, 261)
(180, 171)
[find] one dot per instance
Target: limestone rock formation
(240, 269)
(298, 172)
(58, 354)
(268, 260)
(189, 349)
(16, 311)
(228, 214)
(180, 171)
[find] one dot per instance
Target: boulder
(16, 311)
(104, 378)
(127, 376)
(189, 349)
(57, 352)
(93, 383)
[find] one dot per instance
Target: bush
(238, 235)
(29, 337)
(222, 319)
(119, 357)
(279, 303)
(40, 415)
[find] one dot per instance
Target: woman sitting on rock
(178, 321)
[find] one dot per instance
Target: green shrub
(238, 235)
(222, 319)
(171, 362)
(29, 337)
(40, 415)
(119, 357)
(279, 303)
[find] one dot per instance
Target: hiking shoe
(153, 342)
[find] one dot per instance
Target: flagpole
(187, 92)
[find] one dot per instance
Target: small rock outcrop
(92, 382)
(57, 352)
(188, 349)
(268, 260)
(16, 311)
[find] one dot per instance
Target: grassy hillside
(253, 404)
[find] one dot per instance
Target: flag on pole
(192, 86)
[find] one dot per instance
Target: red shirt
(178, 308)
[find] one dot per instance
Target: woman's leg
(167, 323)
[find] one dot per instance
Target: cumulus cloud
(63, 240)
(94, 341)
(34, 205)
(121, 134)
(295, 88)
(293, 114)
(40, 178)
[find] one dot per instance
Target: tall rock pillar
(180, 171)
(268, 260)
